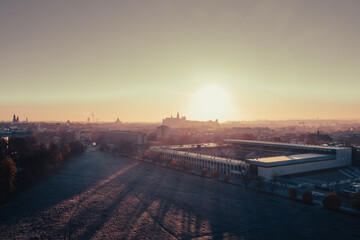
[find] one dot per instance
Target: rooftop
(285, 145)
(198, 155)
(291, 159)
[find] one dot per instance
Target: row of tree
(158, 158)
(23, 160)
(306, 196)
(331, 201)
(215, 174)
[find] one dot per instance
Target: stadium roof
(198, 155)
(288, 160)
(284, 145)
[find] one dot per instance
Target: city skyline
(142, 61)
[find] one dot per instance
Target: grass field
(98, 196)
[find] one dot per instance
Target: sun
(210, 103)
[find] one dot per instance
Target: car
(318, 194)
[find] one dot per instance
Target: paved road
(97, 196)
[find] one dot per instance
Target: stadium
(265, 159)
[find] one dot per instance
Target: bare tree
(292, 193)
(259, 182)
(307, 197)
(173, 164)
(245, 175)
(273, 181)
(355, 201)
(215, 174)
(332, 201)
(227, 178)
(8, 174)
(204, 172)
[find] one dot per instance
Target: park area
(98, 196)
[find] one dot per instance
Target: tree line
(24, 160)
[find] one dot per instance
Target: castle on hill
(181, 122)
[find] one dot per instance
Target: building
(222, 165)
(300, 158)
(12, 133)
(15, 119)
(162, 132)
(175, 122)
(182, 122)
(280, 159)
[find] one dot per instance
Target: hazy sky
(145, 60)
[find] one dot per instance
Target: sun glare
(209, 103)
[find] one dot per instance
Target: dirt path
(97, 196)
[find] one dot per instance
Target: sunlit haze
(211, 102)
(146, 60)
(180, 119)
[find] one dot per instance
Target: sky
(144, 60)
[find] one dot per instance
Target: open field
(97, 196)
